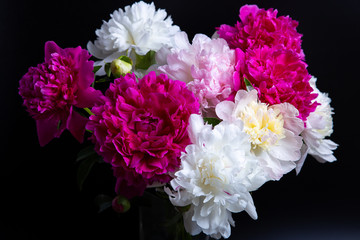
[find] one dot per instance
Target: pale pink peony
(52, 89)
(207, 66)
(260, 27)
(279, 76)
(142, 129)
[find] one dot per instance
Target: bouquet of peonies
(207, 122)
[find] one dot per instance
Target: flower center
(146, 124)
(210, 175)
(265, 126)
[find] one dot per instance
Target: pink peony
(207, 66)
(52, 89)
(142, 129)
(259, 27)
(279, 75)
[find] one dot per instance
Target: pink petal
(76, 125)
(50, 48)
(47, 129)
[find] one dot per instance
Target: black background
(39, 196)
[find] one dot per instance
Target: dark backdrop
(39, 196)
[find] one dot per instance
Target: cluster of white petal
(273, 130)
(253, 144)
(215, 177)
(139, 27)
(319, 125)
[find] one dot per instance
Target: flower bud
(120, 204)
(121, 66)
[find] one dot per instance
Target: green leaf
(181, 233)
(184, 209)
(186, 235)
(174, 220)
(248, 85)
(81, 111)
(212, 121)
(159, 191)
(87, 158)
(145, 61)
(85, 153)
(84, 169)
(107, 69)
(103, 201)
(96, 68)
(102, 80)
(126, 59)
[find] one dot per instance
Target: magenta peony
(259, 27)
(279, 75)
(142, 129)
(52, 89)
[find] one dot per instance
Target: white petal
(161, 55)
(288, 148)
(324, 158)
(324, 152)
(93, 50)
(224, 110)
(243, 98)
(140, 27)
(291, 121)
(181, 40)
(196, 124)
(304, 152)
(190, 225)
(251, 210)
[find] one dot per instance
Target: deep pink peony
(279, 75)
(259, 27)
(52, 89)
(142, 129)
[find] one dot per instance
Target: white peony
(215, 177)
(319, 125)
(273, 130)
(139, 27)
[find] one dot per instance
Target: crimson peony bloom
(141, 129)
(52, 89)
(279, 75)
(260, 27)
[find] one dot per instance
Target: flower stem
(89, 111)
(141, 226)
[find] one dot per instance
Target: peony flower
(260, 27)
(142, 129)
(279, 76)
(139, 27)
(273, 130)
(207, 66)
(319, 125)
(52, 89)
(215, 177)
